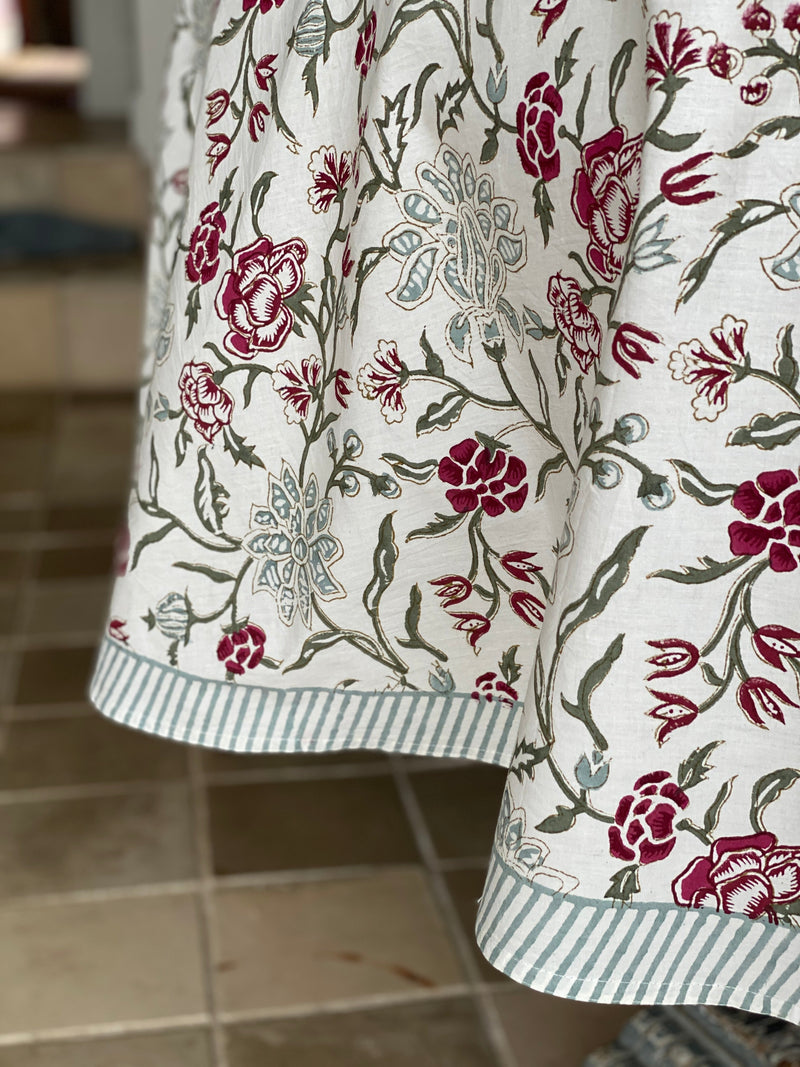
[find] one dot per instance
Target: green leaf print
(768, 431)
(596, 674)
(767, 790)
(700, 488)
(695, 768)
(384, 559)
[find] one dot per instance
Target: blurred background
(162, 906)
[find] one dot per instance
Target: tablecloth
(470, 427)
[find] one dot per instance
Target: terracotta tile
(13, 563)
(320, 823)
(24, 466)
(31, 346)
(311, 943)
(9, 603)
(103, 183)
(67, 606)
(461, 807)
(465, 890)
(85, 749)
(437, 1033)
(563, 1032)
(93, 451)
(217, 761)
(88, 517)
(95, 842)
(54, 675)
(99, 307)
(80, 964)
(176, 1048)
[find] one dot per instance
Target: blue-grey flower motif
(650, 250)
(290, 541)
(457, 232)
(527, 855)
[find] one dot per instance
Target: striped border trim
(151, 696)
(641, 953)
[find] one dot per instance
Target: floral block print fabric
(471, 427)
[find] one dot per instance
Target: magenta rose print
(331, 172)
(681, 184)
(265, 5)
(242, 650)
(576, 322)
(219, 145)
(496, 483)
(760, 696)
(756, 91)
(536, 128)
(605, 193)
(629, 347)
(527, 607)
(202, 259)
(751, 875)
(549, 11)
(712, 373)
(675, 656)
(297, 387)
(643, 829)
(217, 103)
(724, 61)
(672, 713)
(252, 295)
(759, 20)
(771, 504)
(208, 406)
(383, 380)
(451, 589)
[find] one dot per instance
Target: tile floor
(168, 906)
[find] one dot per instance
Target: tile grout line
(481, 997)
(206, 896)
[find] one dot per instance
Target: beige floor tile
(103, 183)
(310, 943)
(60, 846)
(103, 329)
(93, 453)
(24, 466)
(437, 1033)
(560, 1032)
(101, 962)
(177, 1048)
(27, 180)
(31, 344)
(67, 606)
(85, 749)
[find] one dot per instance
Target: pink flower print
(252, 295)
(216, 105)
(644, 821)
(297, 387)
(676, 656)
(774, 643)
(724, 61)
(672, 47)
(243, 650)
(760, 696)
(628, 347)
(202, 259)
(791, 19)
(712, 373)
(756, 91)
(748, 875)
(518, 564)
(208, 406)
(536, 125)
(116, 629)
(384, 381)
(679, 184)
(257, 122)
(266, 5)
(527, 607)
(218, 147)
(482, 480)
(473, 624)
(341, 386)
(331, 173)
(578, 323)
(673, 712)
(759, 20)
(365, 46)
(605, 193)
(264, 71)
(772, 499)
(492, 687)
(551, 10)
(452, 589)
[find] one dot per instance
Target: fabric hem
(147, 695)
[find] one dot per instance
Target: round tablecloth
(471, 428)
